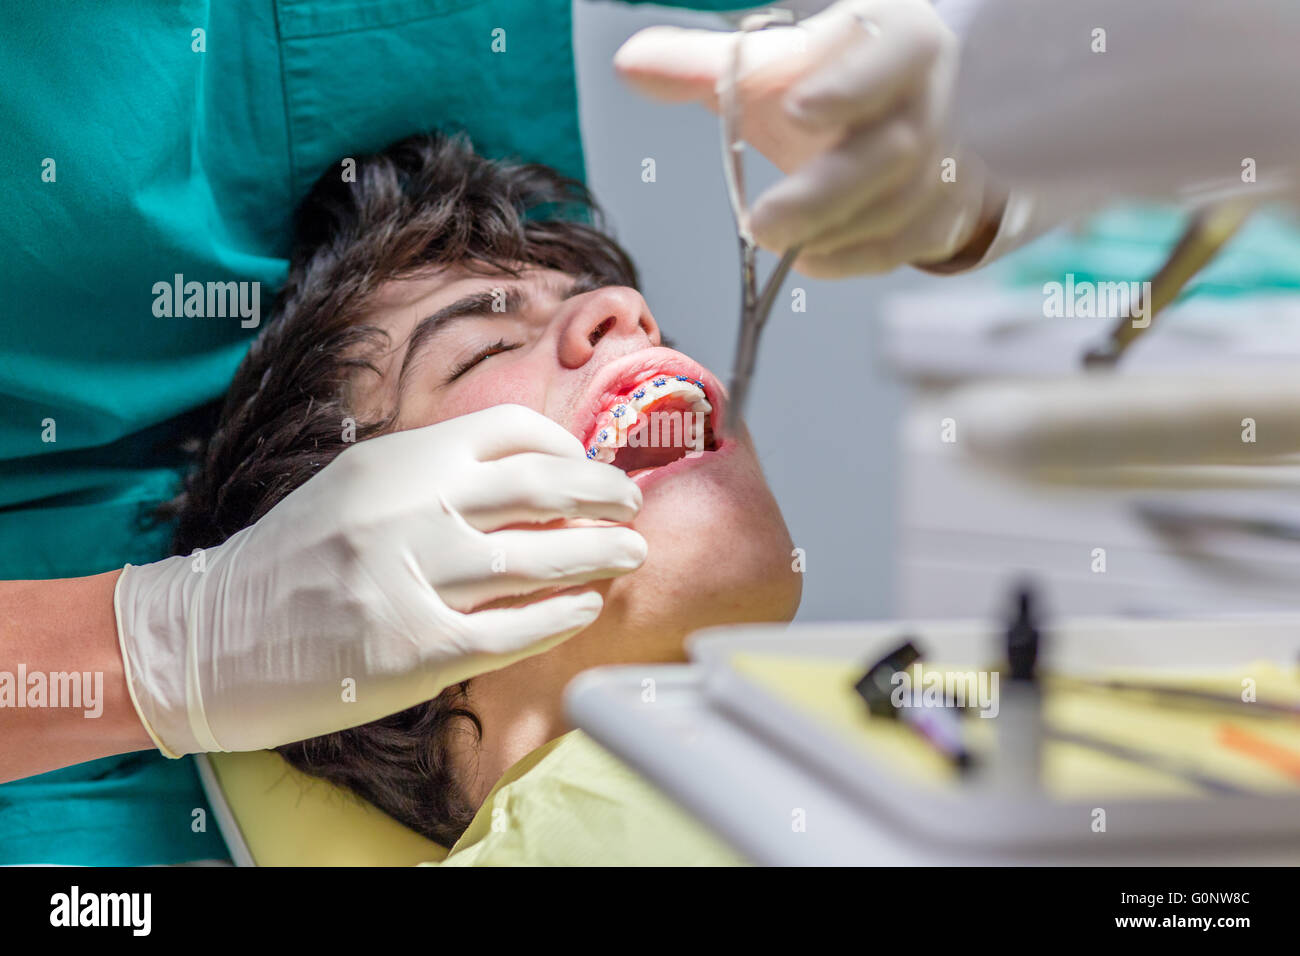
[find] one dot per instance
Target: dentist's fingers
(537, 488)
(510, 429)
(524, 562)
(853, 104)
(886, 57)
(694, 65)
(939, 208)
(878, 218)
(674, 64)
(496, 637)
(937, 233)
(824, 192)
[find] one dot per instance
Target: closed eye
(496, 348)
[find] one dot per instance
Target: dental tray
(793, 687)
(750, 764)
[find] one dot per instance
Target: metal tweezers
(755, 305)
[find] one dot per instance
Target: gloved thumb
(676, 65)
(679, 65)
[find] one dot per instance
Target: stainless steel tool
(755, 303)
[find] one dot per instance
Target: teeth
(615, 423)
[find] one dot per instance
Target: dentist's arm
(360, 594)
(63, 626)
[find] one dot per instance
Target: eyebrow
(508, 300)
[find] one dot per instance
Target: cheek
(730, 533)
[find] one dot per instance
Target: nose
(615, 315)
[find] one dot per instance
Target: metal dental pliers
(755, 304)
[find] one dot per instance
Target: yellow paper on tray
(1246, 750)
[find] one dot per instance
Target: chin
(719, 553)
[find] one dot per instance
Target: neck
(521, 707)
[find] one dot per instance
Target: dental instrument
(1020, 727)
(939, 726)
(1163, 763)
(1206, 234)
(1169, 695)
(755, 303)
(1179, 521)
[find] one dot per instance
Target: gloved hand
(853, 104)
(370, 573)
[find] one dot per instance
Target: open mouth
(662, 419)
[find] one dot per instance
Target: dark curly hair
(426, 201)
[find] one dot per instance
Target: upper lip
(619, 376)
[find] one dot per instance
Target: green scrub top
(145, 141)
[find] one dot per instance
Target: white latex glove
(853, 104)
(370, 572)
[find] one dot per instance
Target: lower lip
(649, 477)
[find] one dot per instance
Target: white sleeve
(1159, 98)
(957, 14)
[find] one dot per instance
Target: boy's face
(719, 551)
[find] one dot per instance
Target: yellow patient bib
(572, 803)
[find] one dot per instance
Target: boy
(440, 283)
